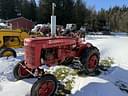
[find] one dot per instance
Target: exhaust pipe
(53, 21)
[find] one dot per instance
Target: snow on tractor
(49, 51)
(10, 39)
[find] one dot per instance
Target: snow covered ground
(106, 84)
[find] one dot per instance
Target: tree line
(67, 11)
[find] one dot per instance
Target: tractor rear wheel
(6, 52)
(19, 72)
(45, 86)
(90, 59)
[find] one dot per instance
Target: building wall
(21, 23)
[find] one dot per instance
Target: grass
(65, 75)
(106, 63)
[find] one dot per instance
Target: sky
(105, 4)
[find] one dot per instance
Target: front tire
(19, 72)
(90, 59)
(6, 52)
(45, 86)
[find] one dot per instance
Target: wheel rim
(92, 63)
(7, 54)
(22, 72)
(46, 88)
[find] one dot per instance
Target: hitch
(37, 72)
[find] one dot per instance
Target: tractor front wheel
(45, 86)
(6, 52)
(20, 72)
(90, 59)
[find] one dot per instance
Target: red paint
(63, 47)
(92, 62)
(22, 72)
(46, 88)
(21, 23)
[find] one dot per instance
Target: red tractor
(51, 51)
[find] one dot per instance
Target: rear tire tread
(87, 53)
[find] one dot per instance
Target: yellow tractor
(10, 39)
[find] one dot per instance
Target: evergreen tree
(118, 18)
(7, 9)
(26, 9)
(33, 10)
(101, 20)
(63, 10)
(80, 13)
